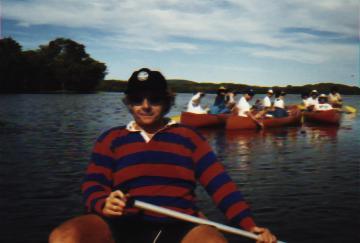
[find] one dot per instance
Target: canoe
(330, 117)
(203, 120)
(246, 123)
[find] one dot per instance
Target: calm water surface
(302, 183)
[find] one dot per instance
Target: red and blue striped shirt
(162, 171)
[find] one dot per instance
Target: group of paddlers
(225, 103)
(314, 101)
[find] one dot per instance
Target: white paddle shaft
(196, 220)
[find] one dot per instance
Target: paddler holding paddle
(243, 107)
(158, 162)
(194, 105)
(334, 97)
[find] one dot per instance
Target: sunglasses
(139, 99)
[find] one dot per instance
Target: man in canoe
(322, 104)
(304, 100)
(279, 105)
(243, 107)
(334, 97)
(154, 160)
(194, 105)
(267, 100)
(230, 100)
(219, 106)
(312, 100)
(265, 105)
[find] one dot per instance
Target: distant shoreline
(186, 86)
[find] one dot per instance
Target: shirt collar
(133, 127)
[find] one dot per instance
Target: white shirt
(231, 98)
(133, 127)
(266, 102)
(243, 106)
(311, 101)
(279, 103)
(305, 102)
(194, 105)
(323, 107)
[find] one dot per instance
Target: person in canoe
(157, 161)
(219, 106)
(267, 104)
(258, 106)
(194, 105)
(243, 107)
(230, 102)
(312, 100)
(279, 105)
(304, 100)
(322, 104)
(334, 97)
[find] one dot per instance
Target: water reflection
(289, 176)
(240, 144)
(319, 134)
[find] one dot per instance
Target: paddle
(192, 219)
(349, 109)
(176, 118)
(259, 123)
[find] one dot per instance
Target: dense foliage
(64, 65)
(61, 65)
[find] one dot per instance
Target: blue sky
(255, 42)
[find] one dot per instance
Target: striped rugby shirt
(163, 171)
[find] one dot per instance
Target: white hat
(323, 96)
(270, 91)
(314, 91)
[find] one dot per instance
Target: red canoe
(203, 120)
(330, 117)
(246, 123)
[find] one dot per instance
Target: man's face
(322, 100)
(248, 97)
(147, 109)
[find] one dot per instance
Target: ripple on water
(303, 186)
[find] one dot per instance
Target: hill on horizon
(188, 86)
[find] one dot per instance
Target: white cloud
(160, 25)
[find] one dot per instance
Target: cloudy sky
(256, 42)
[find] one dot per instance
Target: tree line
(64, 65)
(186, 86)
(60, 65)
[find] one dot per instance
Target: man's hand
(115, 204)
(265, 235)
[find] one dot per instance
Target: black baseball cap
(250, 92)
(146, 80)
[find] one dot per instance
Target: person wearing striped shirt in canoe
(154, 160)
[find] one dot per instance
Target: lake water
(303, 183)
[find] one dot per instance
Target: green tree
(11, 65)
(70, 67)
